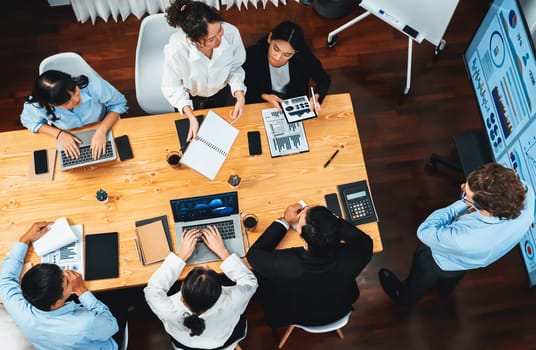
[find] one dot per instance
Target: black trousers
(220, 99)
(424, 275)
(118, 301)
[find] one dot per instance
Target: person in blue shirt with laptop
(60, 102)
(40, 304)
(493, 214)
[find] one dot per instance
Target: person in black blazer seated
(281, 65)
(314, 284)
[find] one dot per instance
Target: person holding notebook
(60, 102)
(40, 304)
(202, 62)
(314, 284)
(203, 314)
(281, 65)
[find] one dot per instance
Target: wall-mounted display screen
(500, 61)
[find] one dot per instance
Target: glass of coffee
(250, 221)
(173, 158)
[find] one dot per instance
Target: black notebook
(102, 256)
(182, 126)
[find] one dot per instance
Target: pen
(315, 104)
(331, 158)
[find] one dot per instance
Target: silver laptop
(220, 210)
(86, 158)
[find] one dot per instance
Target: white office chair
(154, 35)
(68, 62)
(333, 326)
(11, 336)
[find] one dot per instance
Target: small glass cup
(173, 158)
(250, 221)
(234, 181)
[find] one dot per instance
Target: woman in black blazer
(281, 66)
(314, 284)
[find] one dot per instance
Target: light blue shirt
(472, 240)
(89, 325)
(98, 98)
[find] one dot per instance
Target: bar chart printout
(283, 138)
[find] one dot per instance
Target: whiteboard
(428, 17)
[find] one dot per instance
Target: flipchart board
(429, 18)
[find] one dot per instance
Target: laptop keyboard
(85, 156)
(226, 229)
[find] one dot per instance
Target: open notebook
(207, 153)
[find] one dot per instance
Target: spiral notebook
(207, 153)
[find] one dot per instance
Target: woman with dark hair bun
(204, 314)
(60, 102)
(281, 65)
(202, 62)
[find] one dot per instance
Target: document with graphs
(283, 138)
(70, 256)
(207, 153)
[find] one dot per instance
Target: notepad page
(207, 153)
(218, 132)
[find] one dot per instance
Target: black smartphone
(332, 203)
(123, 147)
(40, 161)
(254, 142)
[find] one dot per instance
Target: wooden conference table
(142, 187)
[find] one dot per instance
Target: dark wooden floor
(491, 309)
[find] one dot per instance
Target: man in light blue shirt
(39, 304)
(492, 215)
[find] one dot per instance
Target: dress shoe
(390, 283)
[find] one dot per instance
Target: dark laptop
(220, 210)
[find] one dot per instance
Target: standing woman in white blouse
(202, 62)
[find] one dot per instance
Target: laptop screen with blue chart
(220, 210)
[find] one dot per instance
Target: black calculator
(357, 202)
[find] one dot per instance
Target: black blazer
(303, 66)
(297, 287)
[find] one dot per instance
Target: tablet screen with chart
(500, 61)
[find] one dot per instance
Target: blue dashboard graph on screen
(500, 61)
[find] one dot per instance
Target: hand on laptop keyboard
(188, 242)
(98, 144)
(69, 142)
(213, 240)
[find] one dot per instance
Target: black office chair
(473, 151)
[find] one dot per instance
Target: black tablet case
(182, 126)
(102, 256)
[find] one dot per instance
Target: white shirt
(188, 71)
(220, 319)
